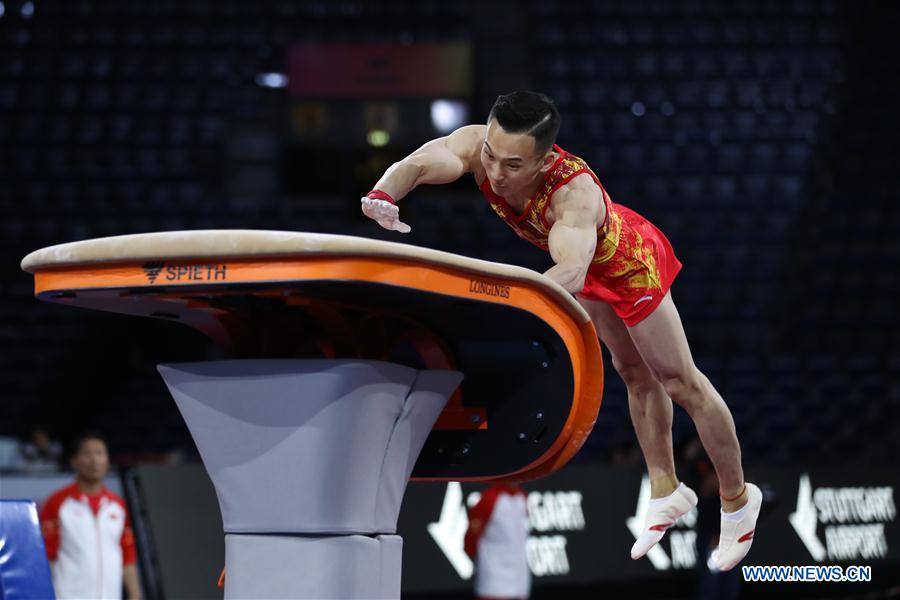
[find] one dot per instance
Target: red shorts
(638, 276)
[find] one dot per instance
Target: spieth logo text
(181, 273)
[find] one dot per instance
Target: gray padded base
(352, 566)
(320, 448)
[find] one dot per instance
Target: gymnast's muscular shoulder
(447, 158)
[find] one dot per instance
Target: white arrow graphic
(805, 519)
(450, 530)
(657, 555)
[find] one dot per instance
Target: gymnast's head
(518, 146)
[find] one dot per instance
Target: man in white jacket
(496, 538)
(87, 531)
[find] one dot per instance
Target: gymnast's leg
(661, 342)
(648, 403)
(651, 414)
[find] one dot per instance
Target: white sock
(655, 502)
(736, 515)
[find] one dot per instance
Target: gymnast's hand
(384, 213)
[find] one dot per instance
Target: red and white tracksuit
(88, 539)
(496, 538)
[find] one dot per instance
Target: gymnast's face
(510, 161)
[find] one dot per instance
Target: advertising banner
(584, 520)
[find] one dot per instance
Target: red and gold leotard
(634, 264)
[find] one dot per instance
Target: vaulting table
(354, 365)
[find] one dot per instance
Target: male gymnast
(620, 268)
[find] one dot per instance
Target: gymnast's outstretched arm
(441, 160)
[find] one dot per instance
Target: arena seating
(758, 135)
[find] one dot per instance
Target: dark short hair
(82, 437)
(528, 112)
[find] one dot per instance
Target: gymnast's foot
(662, 514)
(736, 534)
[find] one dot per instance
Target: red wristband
(379, 195)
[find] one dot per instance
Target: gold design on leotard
(628, 261)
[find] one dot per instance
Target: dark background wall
(760, 136)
